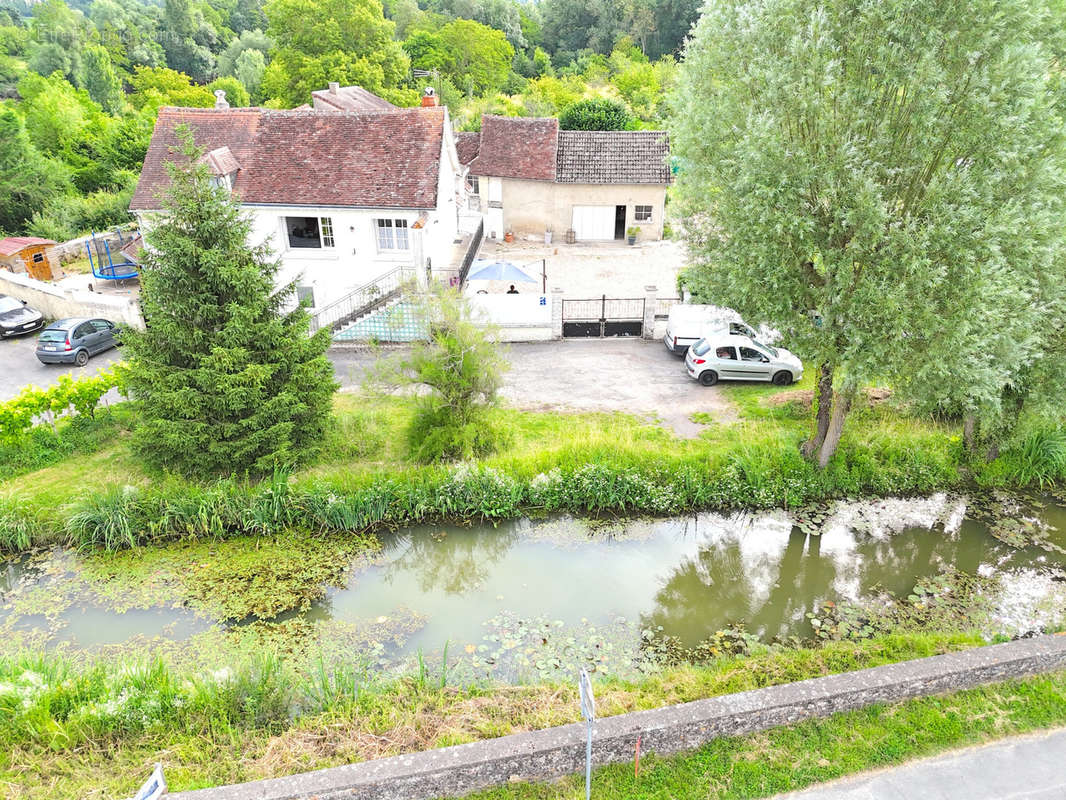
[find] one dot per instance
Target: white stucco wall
(354, 259)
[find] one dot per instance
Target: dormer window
(223, 166)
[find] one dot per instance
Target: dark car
(17, 318)
(72, 341)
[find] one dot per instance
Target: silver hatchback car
(738, 358)
(72, 341)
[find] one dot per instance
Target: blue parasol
(498, 271)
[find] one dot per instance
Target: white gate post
(651, 297)
(557, 313)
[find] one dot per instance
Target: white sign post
(588, 711)
(153, 788)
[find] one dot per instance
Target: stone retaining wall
(551, 753)
(56, 302)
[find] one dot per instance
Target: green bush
(67, 394)
(596, 114)
(69, 216)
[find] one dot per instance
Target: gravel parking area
(630, 375)
(19, 366)
(590, 269)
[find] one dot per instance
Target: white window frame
(475, 185)
(637, 213)
(325, 232)
(392, 235)
(326, 239)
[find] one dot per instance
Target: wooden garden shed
(28, 254)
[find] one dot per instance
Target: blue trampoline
(104, 266)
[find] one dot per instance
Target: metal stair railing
(362, 300)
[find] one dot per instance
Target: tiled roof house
(528, 176)
(342, 197)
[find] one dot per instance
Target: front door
(619, 222)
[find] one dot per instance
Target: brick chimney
(220, 99)
(429, 97)
(334, 87)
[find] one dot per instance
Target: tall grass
(1040, 459)
(47, 700)
(762, 472)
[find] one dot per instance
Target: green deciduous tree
(249, 69)
(478, 57)
(226, 378)
(29, 180)
(596, 114)
(236, 95)
(157, 86)
(458, 369)
(318, 41)
(100, 80)
(870, 176)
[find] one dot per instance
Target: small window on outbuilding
(38, 258)
(642, 213)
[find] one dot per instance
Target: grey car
(17, 318)
(73, 341)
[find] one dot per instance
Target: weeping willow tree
(881, 179)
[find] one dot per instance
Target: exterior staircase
(361, 301)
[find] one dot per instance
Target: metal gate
(603, 316)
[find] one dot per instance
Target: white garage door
(594, 222)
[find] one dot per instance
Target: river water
(592, 589)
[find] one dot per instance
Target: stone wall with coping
(554, 752)
(56, 302)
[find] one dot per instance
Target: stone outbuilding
(31, 255)
(528, 177)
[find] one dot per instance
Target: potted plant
(631, 234)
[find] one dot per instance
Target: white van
(688, 323)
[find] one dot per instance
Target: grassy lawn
(883, 451)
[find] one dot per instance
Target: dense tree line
(81, 81)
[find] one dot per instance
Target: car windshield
(701, 347)
(9, 304)
(53, 336)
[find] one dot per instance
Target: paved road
(1023, 768)
(19, 367)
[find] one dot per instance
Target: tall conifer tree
(227, 377)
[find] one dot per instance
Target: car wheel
(82, 358)
(708, 377)
(783, 378)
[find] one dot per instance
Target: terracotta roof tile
(379, 160)
(14, 244)
(613, 157)
(517, 147)
(467, 143)
(349, 98)
(222, 161)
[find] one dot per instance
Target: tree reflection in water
(452, 559)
